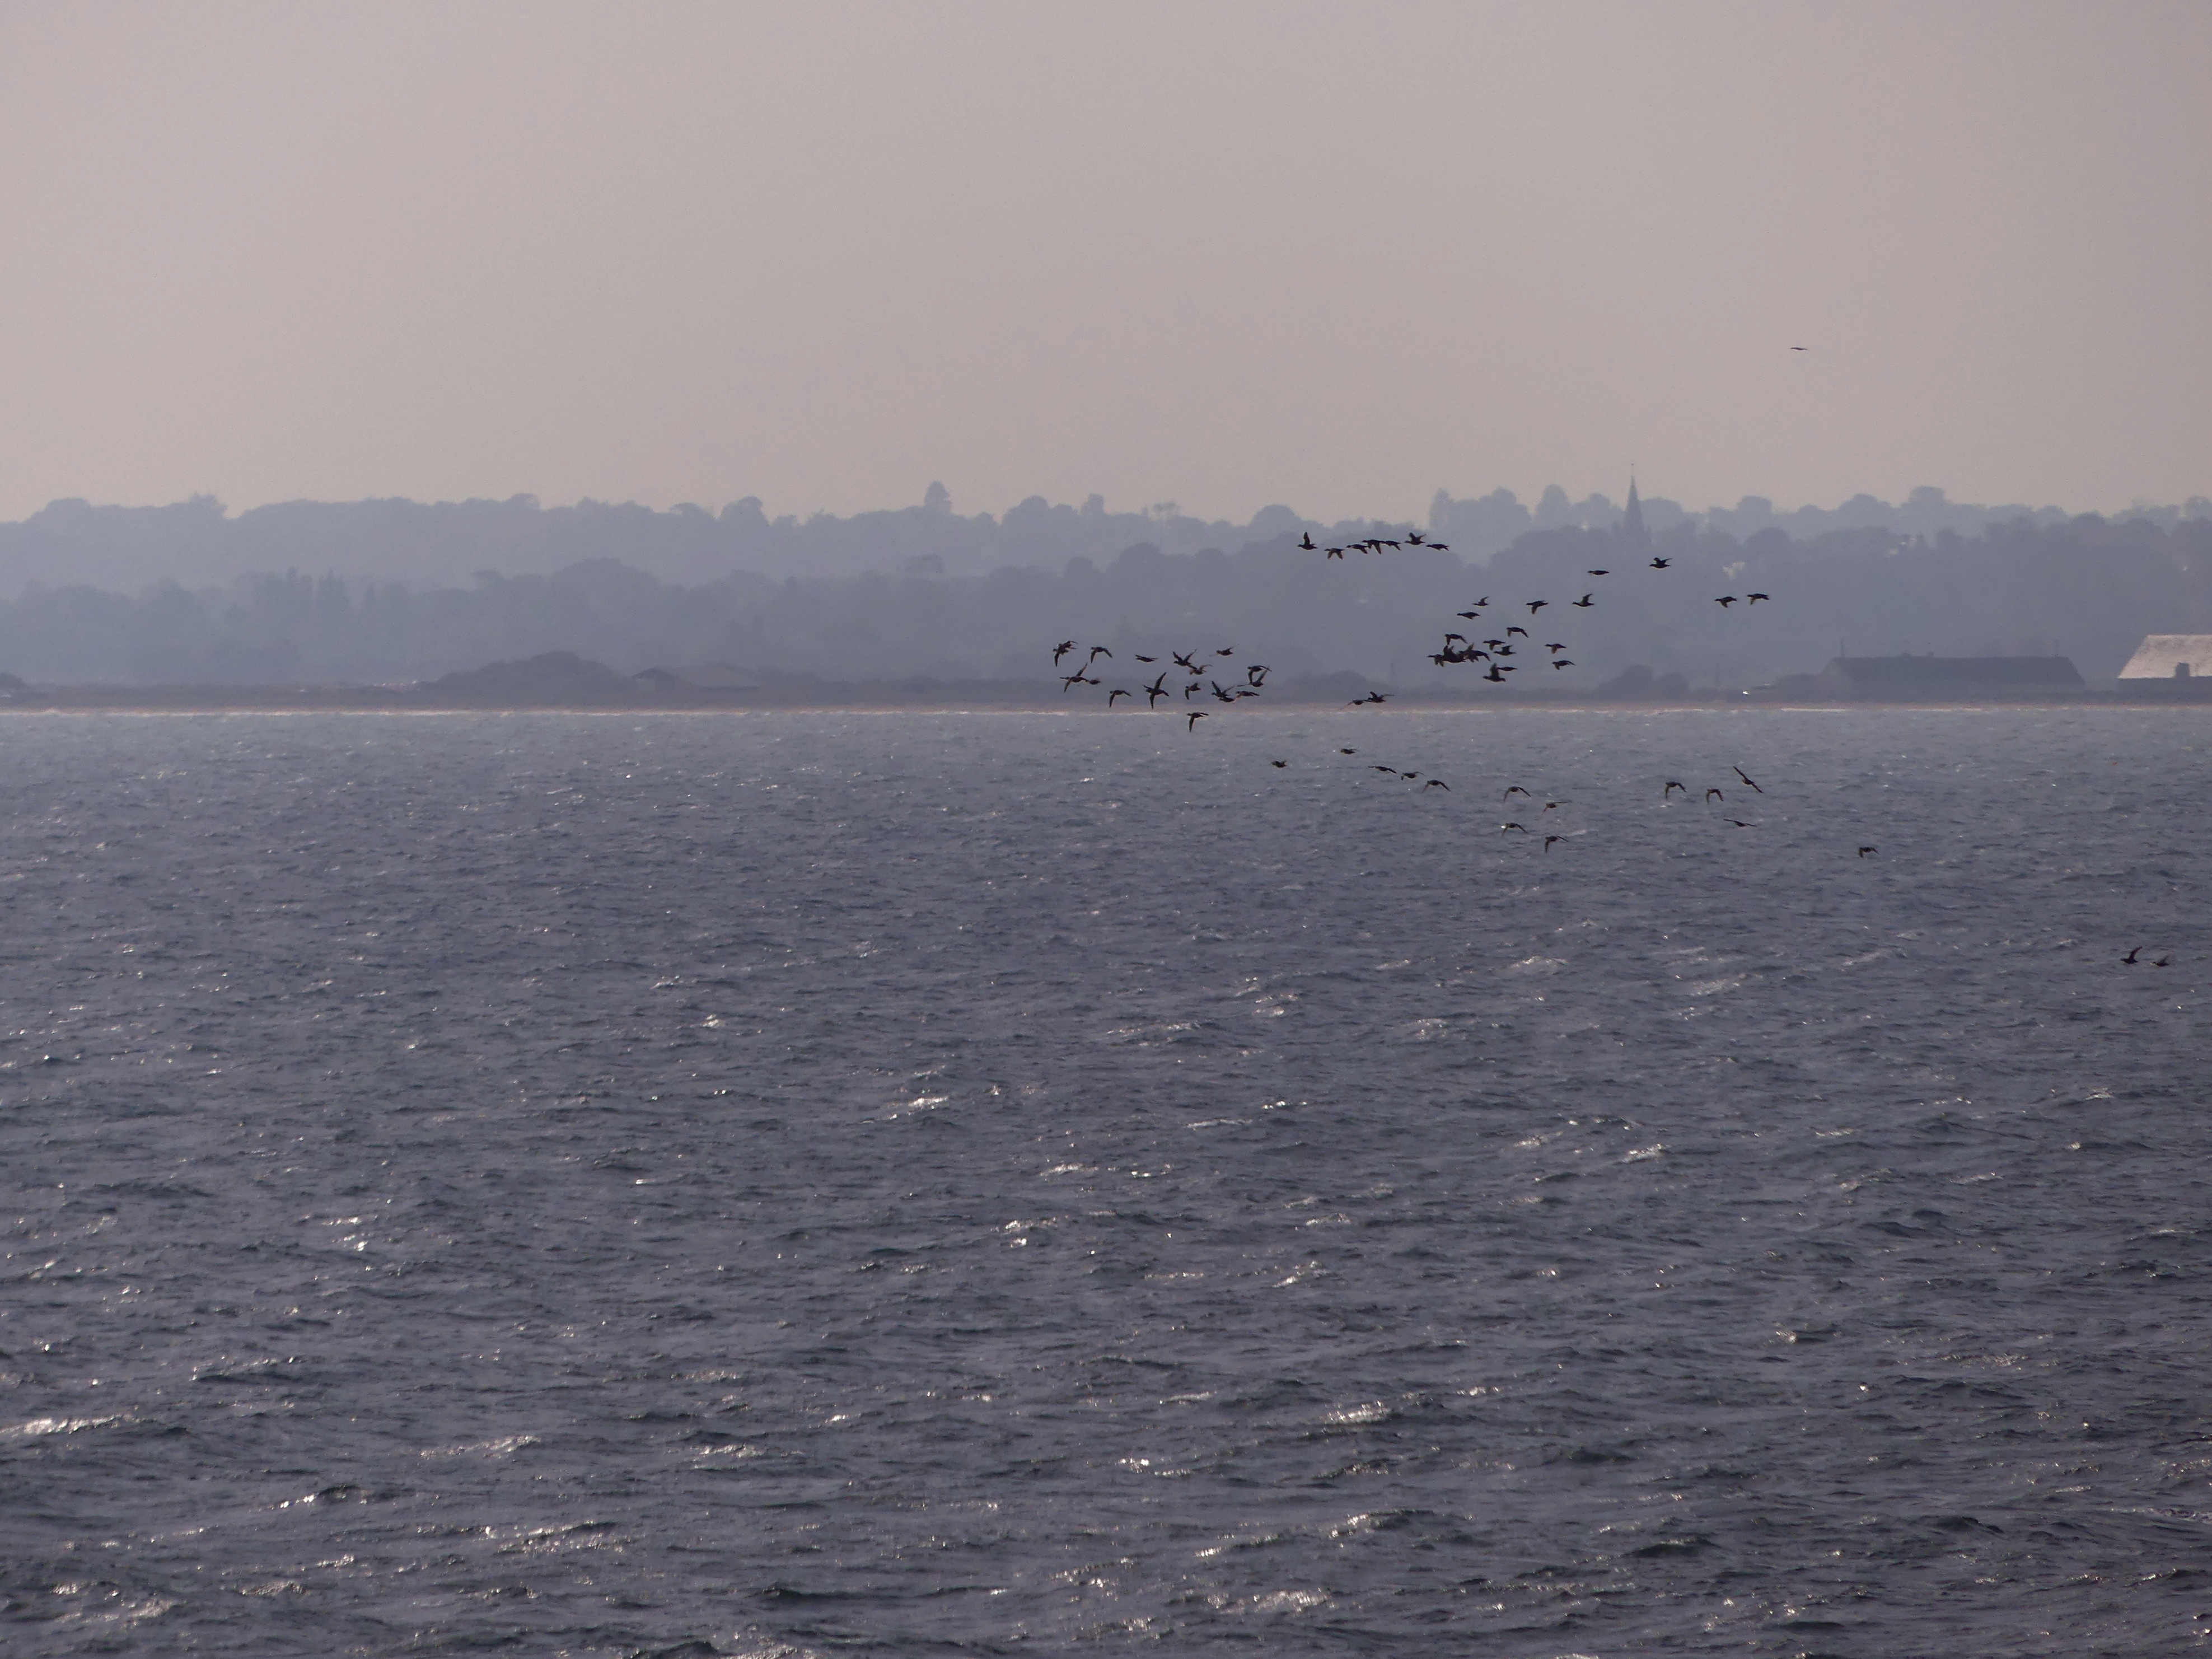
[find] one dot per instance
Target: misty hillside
(197, 542)
(2089, 587)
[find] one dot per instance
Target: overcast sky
(1221, 255)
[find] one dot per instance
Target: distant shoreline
(1002, 698)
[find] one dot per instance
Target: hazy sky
(1223, 254)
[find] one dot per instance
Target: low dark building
(1904, 678)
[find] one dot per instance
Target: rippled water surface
(908, 1184)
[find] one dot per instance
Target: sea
(912, 1184)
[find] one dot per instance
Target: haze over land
(349, 593)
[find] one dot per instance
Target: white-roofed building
(2170, 657)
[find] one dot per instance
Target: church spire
(1632, 526)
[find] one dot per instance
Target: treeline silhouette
(197, 542)
(2088, 586)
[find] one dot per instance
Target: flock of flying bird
(1200, 669)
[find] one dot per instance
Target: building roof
(2160, 657)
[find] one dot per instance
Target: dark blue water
(913, 1184)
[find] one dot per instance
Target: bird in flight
(1753, 599)
(1583, 603)
(1745, 776)
(1511, 628)
(1061, 650)
(1712, 795)
(1740, 825)
(1725, 601)
(1333, 552)
(1597, 573)
(2161, 961)
(1797, 348)
(1563, 662)
(1515, 789)
(1156, 691)
(1864, 851)
(1306, 541)
(1069, 682)
(1372, 696)
(1278, 763)
(1226, 651)
(1195, 718)
(1548, 840)
(1148, 659)
(1661, 564)
(1392, 770)
(1182, 661)
(1438, 783)
(1534, 606)
(1503, 828)
(1347, 751)
(1116, 692)
(1672, 786)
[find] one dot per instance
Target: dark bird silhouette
(1256, 671)
(1494, 677)
(1548, 840)
(1333, 552)
(2130, 957)
(1069, 682)
(1503, 828)
(1411, 777)
(1441, 547)
(1740, 825)
(1725, 601)
(1220, 696)
(1061, 650)
(1563, 662)
(1448, 638)
(1797, 348)
(1534, 606)
(1554, 806)
(1672, 786)
(1863, 851)
(1392, 770)
(1156, 691)
(1116, 692)
(1225, 651)
(1414, 538)
(1469, 615)
(1753, 599)
(1597, 573)
(1511, 628)
(1278, 763)
(1515, 789)
(1438, 783)
(1372, 696)
(1583, 603)
(1661, 564)
(1148, 659)
(1182, 661)
(1190, 688)
(1306, 541)
(1712, 795)
(1347, 751)
(1745, 776)
(1482, 603)
(2161, 961)
(1555, 645)
(1194, 717)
